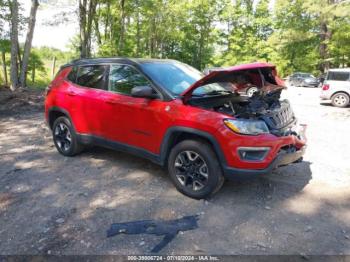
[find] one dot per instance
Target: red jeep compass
(171, 114)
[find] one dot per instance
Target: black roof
(110, 60)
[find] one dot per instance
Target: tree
(5, 47)
(87, 11)
(14, 44)
(339, 44)
(325, 12)
(35, 64)
(247, 28)
(28, 43)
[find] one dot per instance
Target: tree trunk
(87, 11)
(325, 36)
(97, 30)
(82, 27)
(91, 16)
(138, 29)
(107, 21)
(19, 57)
(28, 43)
(122, 27)
(14, 44)
(53, 67)
(4, 69)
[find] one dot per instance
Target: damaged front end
(277, 114)
(265, 104)
(262, 113)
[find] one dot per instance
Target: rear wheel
(65, 138)
(340, 100)
(195, 169)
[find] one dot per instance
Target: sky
(57, 36)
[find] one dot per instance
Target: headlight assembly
(247, 127)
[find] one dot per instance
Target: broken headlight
(247, 127)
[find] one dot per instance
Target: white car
(336, 87)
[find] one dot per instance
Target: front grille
(278, 119)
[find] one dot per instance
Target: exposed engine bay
(276, 113)
(265, 104)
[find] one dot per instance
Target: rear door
(89, 82)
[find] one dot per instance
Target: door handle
(111, 101)
(72, 93)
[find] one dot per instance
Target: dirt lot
(57, 205)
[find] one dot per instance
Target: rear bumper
(284, 157)
(326, 94)
(314, 84)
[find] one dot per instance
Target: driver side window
(122, 78)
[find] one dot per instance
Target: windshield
(177, 77)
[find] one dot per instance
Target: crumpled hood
(258, 73)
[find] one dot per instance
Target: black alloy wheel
(191, 170)
(195, 169)
(65, 138)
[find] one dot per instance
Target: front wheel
(195, 169)
(340, 100)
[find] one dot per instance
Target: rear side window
(94, 76)
(72, 76)
(123, 78)
(338, 76)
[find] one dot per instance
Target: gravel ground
(50, 204)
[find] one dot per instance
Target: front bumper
(283, 150)
(284, 157)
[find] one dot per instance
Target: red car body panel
(143, 123)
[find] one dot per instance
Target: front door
(131, 120)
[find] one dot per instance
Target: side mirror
(144, 92)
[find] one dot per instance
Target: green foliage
(247, 30)
(41, 59)
(206, 33)
(182, 30)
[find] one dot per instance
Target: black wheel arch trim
(172, 133)
(165, 148)
(57, 109)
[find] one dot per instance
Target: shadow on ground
(57, 205)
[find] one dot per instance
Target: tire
(340, 99)
(251, 90)
(194, 169)
(62, 132)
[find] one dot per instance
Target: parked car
(303, 79)
(171, 114)
(248, 89)
(336, 87)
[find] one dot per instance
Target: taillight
(47, 90)
(325, 87)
